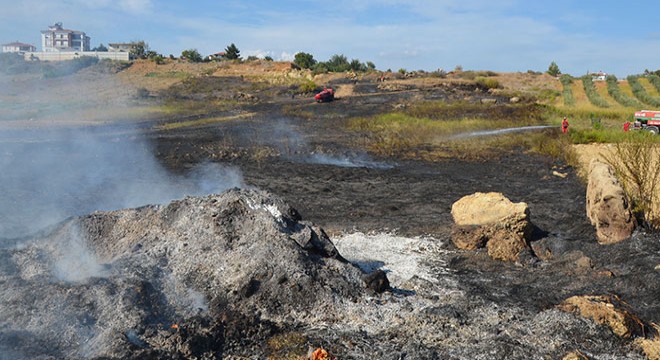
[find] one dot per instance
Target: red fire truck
(648, 120)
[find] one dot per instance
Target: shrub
(638, 168)
(488, 83)
(191, 55)
(307, 87)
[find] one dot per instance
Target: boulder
(608, 207)
(606, 310)
(492, 220)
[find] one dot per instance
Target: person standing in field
(564, 125)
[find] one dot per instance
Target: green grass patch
(401, 134)
(487, 82)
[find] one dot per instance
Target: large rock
(606, 310)
(492, 220)
(608, 207)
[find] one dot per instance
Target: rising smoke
(294, 146)
(49, 175)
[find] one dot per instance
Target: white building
(121, 47)
(58, 39)
(18, 47)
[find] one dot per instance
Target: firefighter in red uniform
(564, 125)
(626, 126)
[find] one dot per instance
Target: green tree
(191, 55)
(553, 69)
(356, 65)
(100, 48)
(139, 50)
(232, 52)
(371, 66)
(338, 63)
(304, 60)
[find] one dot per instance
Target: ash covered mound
(185, 280)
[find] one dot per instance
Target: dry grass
(434, 131)
(203, 121)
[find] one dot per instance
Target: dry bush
(638, 168)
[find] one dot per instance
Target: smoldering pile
(241, 274)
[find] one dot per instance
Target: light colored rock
(492, 220)
(469, 237)
(575, 355)
(608, 208)
(506, 246)
(606, 310)
(486, 209)
(651, 347)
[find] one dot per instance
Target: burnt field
(381, 212)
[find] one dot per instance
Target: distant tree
(371, 66)
(151, 54)
(100, 48)
(232, 52)
(139, 50)
(252, 58)
(338, 63)
(304, 60)
(553, 69)
(268, 58)
(356, 65)
(191, 55)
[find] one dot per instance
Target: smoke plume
(49, 175)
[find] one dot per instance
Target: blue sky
(618, 37)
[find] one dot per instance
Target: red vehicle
(327, 94)
(648, 120)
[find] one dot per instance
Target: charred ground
(306, 153)
(414, 197)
